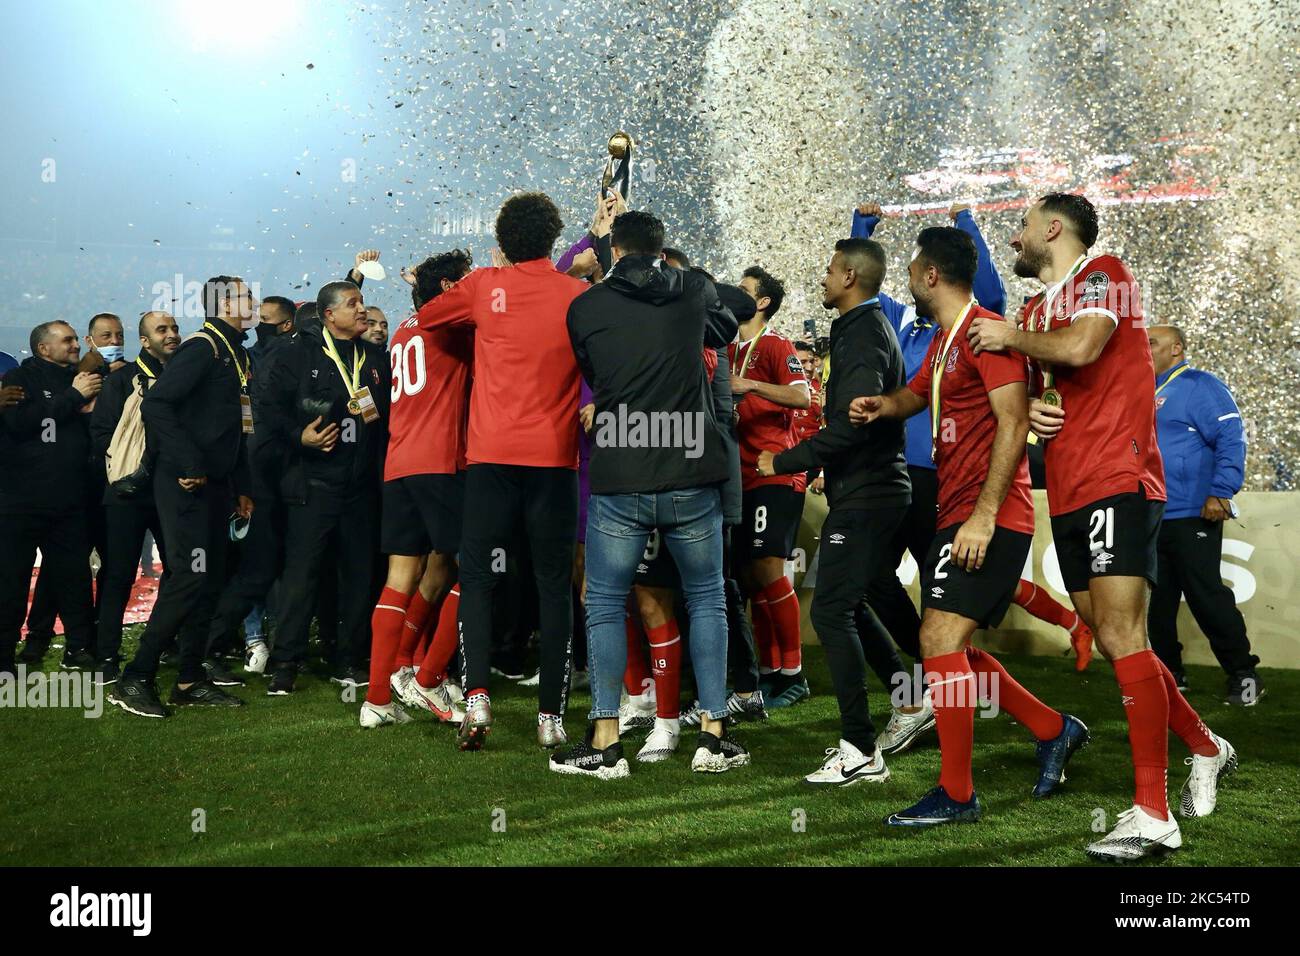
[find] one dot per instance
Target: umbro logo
(836, 538)
(642, 568)
(758, 542)
(1202, 534)
(1126, 700)
(936, 592)
(1101, 561)
(315, 372)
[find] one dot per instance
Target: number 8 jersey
(430, 400)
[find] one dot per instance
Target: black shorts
(1113, 537)
(423, 513)
(983, 595)
(657, 569)
(770, 523)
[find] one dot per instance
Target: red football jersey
(764, 425)
(1107, 445)
(807, 422)
(525, 396)
(430, 400)
(967, 426)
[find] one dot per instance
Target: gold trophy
(618, 177)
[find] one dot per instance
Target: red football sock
(636, 677)
(385, 632)
(417, 615)
(433, 666)
(1146, 705)
(783, 612)
(952, 688)
(1043, 722)
(769, 652)
(1043, 606)
(666, 666)
(1185, 721)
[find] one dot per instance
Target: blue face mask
(111, 353)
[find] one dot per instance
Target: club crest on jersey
(1094, 287)
(794, 365)
(952, 359)
(1160, 401)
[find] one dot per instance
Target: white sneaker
(255, 657)
(454, 692)
(637, 712)
(1200, 792)
(402, 683)
(846, 765)
(385, 715)
(533, 681)
(437, 701)
(661, 742)
(1137, 834)
(903, 729)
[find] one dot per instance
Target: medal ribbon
(243, 372)
(1049, 303)
(936, 373)
(145, 368)
(353, 381)
(749, 351)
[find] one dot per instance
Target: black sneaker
(221, 675)
(203, 694)
(282, 680)
(107, 672)
(718, 754)
(137, 697)
(171, 654)
(1244, 689)
(35, 648)
(351, 677)
(78, 661)
(585, 760)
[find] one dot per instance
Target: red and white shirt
(967, 425)
(764, 425)
(1107, 445)
(807, 422)
(430, 400)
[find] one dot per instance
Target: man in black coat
(43, 490)
(659, 459)
(327, 408)
(867, 489)
(198, 416)
(128, 512)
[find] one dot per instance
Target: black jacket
(268, 457)
(192, 413)
(639, 338)
(108, 412)
(864, 466)
(46, 464)
(304, 382)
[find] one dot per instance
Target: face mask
(111, 353)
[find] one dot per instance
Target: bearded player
(769, 383)
(424, 491)
(1086, 335)
(985, 527)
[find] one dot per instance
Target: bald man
(1203, 445)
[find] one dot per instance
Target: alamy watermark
(634, 429)
(75, 690)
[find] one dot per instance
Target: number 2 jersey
(430, 400)
(1108, 443)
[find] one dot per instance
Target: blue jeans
(690, 523)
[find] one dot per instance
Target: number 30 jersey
(430, 400)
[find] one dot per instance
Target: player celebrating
(978, 425)
(1105, 485)
(769, 383)
(424, 491)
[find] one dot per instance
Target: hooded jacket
(47, 442)
(639, 338)
(865, 468)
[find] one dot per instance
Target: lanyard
(749, 348)
(145, 368)
(243, 372)
(936, 372)
(1049, 303)
(353, 381)
(1172, 377)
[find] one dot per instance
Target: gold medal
(354, 407)
(1051, 397)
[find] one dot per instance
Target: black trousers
(1188, 553)
(351, 516)
(64, 543)
(742, 661)
(889, 617)
(125, 523)
(194, 527)
(855, 547)
(259, 559)
(498, 500)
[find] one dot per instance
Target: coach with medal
(328, 407)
